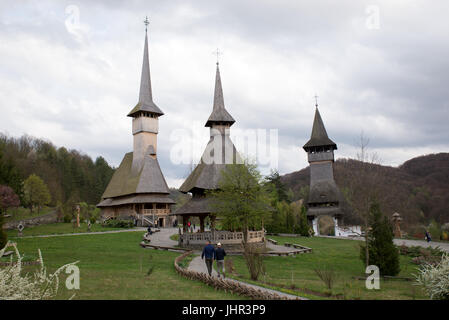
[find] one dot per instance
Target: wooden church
(138, 189)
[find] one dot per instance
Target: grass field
(21, 213)
(58, 228)
(342, 256)
(114, 266)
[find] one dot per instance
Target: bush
(435, 230)
(435, 279)
(119, 223)
(445, 235)
(327, 275)
(254, 261)
(229, 266)
(422, 255)
(67, 218)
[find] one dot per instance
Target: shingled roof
(206, 175)
(149, 179)
(145, 95)
(324, 191)
(219, 113)
(195, 206)
(319, 136)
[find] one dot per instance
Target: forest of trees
(69, 175)
(287, 216)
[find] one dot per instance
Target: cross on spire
(316, 100)
(217, 53)
(146, 22)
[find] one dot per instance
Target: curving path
(197, 264)
(162, 238)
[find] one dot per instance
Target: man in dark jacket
(220, 253)
(428, 237)
(209, 254)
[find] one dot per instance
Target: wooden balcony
(155, 211)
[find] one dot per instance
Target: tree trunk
(366, 243)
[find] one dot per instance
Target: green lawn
(343, 257)
(58, 228)
(21, 213)
(114, 266)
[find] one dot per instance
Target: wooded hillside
(418, 189)
(69, 174)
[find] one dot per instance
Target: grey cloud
(391, 83)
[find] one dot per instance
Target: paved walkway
(198, 265)
(80, 233)
(409, 243)
(162, 238)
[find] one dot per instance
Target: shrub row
(119, 223)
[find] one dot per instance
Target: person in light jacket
(220, 254)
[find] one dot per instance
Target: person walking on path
(209, 255)
(428, 238)
(220, 254)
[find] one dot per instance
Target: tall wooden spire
(219, 113)
(145, 94)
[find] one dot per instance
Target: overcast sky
(70, 73)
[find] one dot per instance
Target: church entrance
(326, 226)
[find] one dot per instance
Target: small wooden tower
(138, 189)
(324, 195)
(397, 225)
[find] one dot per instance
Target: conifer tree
(381, 249)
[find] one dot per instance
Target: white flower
(435, 279)
(15, 286)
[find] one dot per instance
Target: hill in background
(70, 175)
(418, 189)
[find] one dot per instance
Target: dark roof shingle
(219, 112)
(319, 136)
(147, 180)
